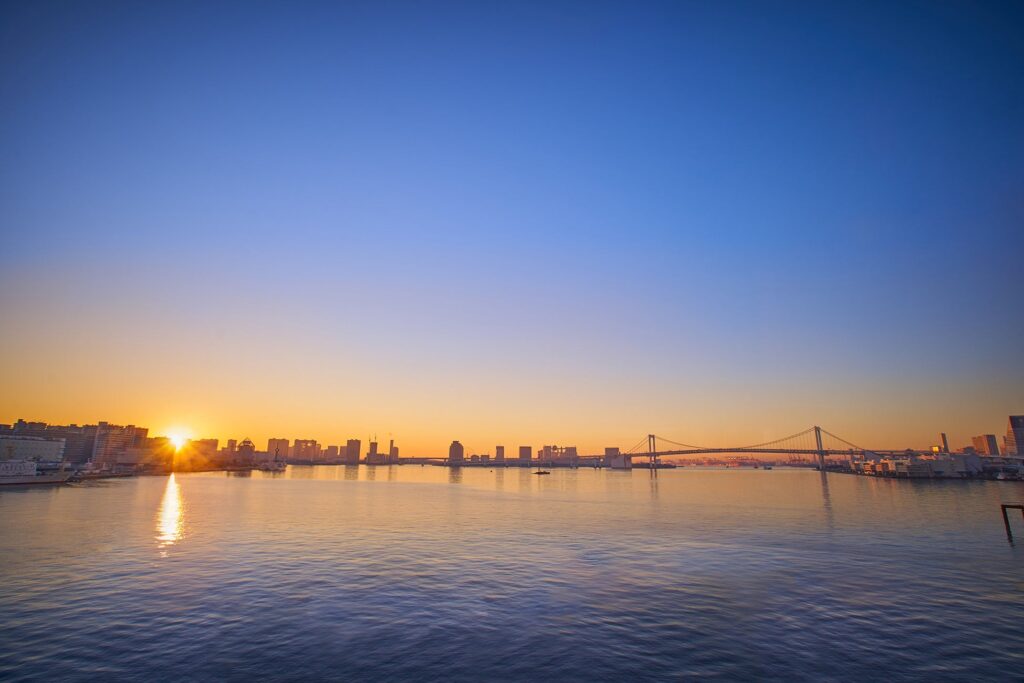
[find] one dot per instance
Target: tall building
(499, 454)
(232, 445)
(277, 448)
(392, 452)
(331, 453)
(307, 450)
(525, 454)
(372, 456)
(352, 451)
(456, 453)
(113, 440)
(1015, 435)
(985, 444)
(944, 442)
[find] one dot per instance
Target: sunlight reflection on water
(170, 519)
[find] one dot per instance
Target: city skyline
(981, 441)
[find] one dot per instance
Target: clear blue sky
(537, 221)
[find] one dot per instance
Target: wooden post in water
(1006, 518)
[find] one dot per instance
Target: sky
(515, 223)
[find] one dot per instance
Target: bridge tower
(652, 451)
(821, 449)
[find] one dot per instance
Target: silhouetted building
(525, 454)
(1015, 435)
(986, 444)
(245, 454)
(499, 454)
(456, 453)
(944, 442)
(232, 446)
(278, 448)
(614, 459)
(372, 456)
(352, 450)
(306, 450)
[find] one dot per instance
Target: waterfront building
(278, 448)
(985, 444)
(113, 440)
(306, 450)
(331, 453)
(525, 455)
(393, 453)
(245, 455)
(38, 448)
(372, 456)
(614, 459)
(232, 446)
(456, 453)
(352, 450)
(499, 455)
(1015, 435)
(79, 441)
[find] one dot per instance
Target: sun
(178, 440)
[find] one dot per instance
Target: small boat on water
(542, 472)
(26, 473)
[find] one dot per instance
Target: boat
(26, 473)
(273, 466)
(767, 467)
(542, 472)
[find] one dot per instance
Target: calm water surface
(424, 573)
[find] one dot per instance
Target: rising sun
(177, 440)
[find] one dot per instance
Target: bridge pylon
(652, 451)
(821, 449)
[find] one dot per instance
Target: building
(393, 453)
(232, 446)
(943, 442)
(278, 448)
(331, 453)
(456, 453)
(114, 440)
(79, 441)
(372, 456)
(35, 448)
(525, 454)
(245, 453)
(306, 450)
(1015, 435)
(352, 449)
(985, 444)
(614, 459)
(499, 454)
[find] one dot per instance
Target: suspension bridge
(813, 441)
